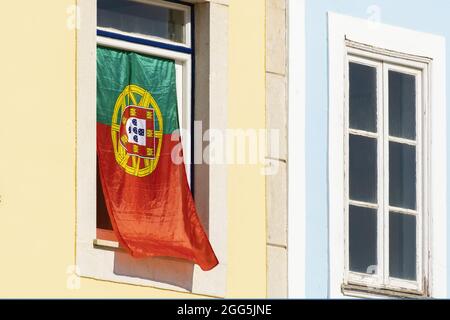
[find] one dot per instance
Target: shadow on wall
(164, 270)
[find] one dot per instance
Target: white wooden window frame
(383, 64)
(393, 45)
(169, 5)
(98, 262)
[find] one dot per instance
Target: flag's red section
(154, 215)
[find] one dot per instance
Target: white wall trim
(397, 39)
(116, 266)
(296, 149)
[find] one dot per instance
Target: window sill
(107, 245)
(360, 291)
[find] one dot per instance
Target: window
(101, 259)
(157, 27)
(385, 163)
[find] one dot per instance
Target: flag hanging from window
(146, 193)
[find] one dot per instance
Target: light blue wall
(431, 16)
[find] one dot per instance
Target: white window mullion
(380, 175)
(362, 133)
(385, 176)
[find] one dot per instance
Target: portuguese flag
(146, 193)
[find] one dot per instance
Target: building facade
(55, 253)
(375, 193)
(314, 135)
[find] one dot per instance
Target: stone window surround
(211, 96)
(285, 112)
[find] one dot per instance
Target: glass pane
(363, 169)
(402, 105)
(141, 18)
(363, 239)
(402, 175)
(363, 97)
(402, 246)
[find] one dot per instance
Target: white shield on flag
(136, 129)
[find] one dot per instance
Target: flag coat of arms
(147, 195)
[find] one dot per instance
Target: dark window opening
(103, 220)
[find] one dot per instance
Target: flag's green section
(117, 69)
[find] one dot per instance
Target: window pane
(402, 105)
(363, 239)
(402, 175)
(402, 246)
(363, 169)
(141, 18)
(363, 97)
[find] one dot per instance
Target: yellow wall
(246, 185)
(37, 163)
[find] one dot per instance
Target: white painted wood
(143, 49)
(403, 141)
(170, 5)
(403, 211)
(383, 174)
(296, 149)
(363, 204)
(388, 42)
(362, 133)
(114, 245)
